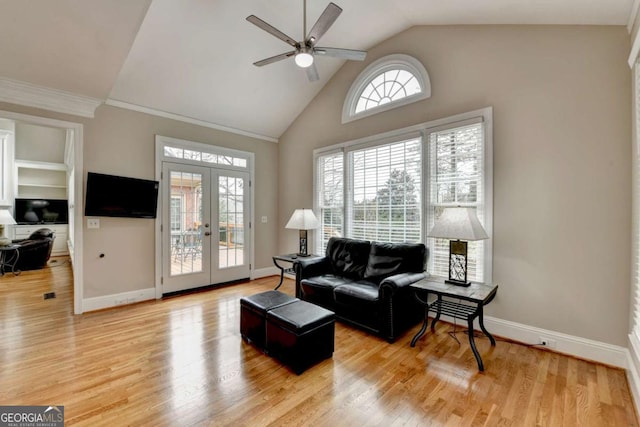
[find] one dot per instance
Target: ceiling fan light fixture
(304, 59)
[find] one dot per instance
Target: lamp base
(303, 255)
(4, 241)
(457, 282)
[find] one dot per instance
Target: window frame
(424, 130)
(382, 65)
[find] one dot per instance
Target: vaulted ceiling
(193, 58)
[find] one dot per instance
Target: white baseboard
(264, 272)
(583, 348)
(108, 301)
(568, 344)
(633, 369)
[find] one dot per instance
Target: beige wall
(562, 171)
(122, 142)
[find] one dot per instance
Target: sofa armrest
(402, 280)
(311, 267)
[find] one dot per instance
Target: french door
(205, 226)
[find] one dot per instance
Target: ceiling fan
(306, 50)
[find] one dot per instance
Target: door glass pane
(231, 221)
(186, 223)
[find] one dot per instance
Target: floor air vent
(49, 295)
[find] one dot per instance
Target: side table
(477, 295)
(290, 258)
(9, 258)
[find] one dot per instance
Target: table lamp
(303, 220)
(5, 219)
(458, 225)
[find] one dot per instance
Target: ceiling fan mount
(305, 50)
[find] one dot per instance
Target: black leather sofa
(366, 283)
(35, 251)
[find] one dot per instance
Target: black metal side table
(9, 259)
(290, 258)
(477, 295)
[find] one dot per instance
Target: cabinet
(60, 230)
(41, 179)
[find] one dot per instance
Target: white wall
(40, 143)
(562, 172)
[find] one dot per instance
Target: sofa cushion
(319, 289)
(348, 257)
(387, 259)
(356, 293)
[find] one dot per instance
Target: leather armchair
(35, 251)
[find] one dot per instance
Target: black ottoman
(253, 313)
(300, 334)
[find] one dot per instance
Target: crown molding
(185, 119)
(30, 95)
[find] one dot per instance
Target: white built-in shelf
(41, 179)
(32, 164)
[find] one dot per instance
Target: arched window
(387, 83)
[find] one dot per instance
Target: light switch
(93, 223)
(264, 219)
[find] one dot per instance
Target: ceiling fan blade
(271, 30)
(323, 23)
(273, 59)
(312, 73)
(354, 55)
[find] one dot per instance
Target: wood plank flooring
(181, 362)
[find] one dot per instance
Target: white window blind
(385, 192)
(456, 178)
(393, 186)
(329, 198)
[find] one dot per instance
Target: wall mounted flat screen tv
(119, 196)
(41, 211)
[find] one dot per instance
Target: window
(176, 213)
(398, 183)
(329, 197)
(456, 179)
(385, 197)
(390, 82)
(386, 87)
(204, 157)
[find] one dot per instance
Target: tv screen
(119, 196)
(41, 211)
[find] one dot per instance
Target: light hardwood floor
(181, 362)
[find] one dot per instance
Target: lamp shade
(6, 218)
(458, 223)
(303, 219)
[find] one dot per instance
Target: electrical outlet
(93, 223)
(547, 342)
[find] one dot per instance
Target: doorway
(74, 161)
(205, 222)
